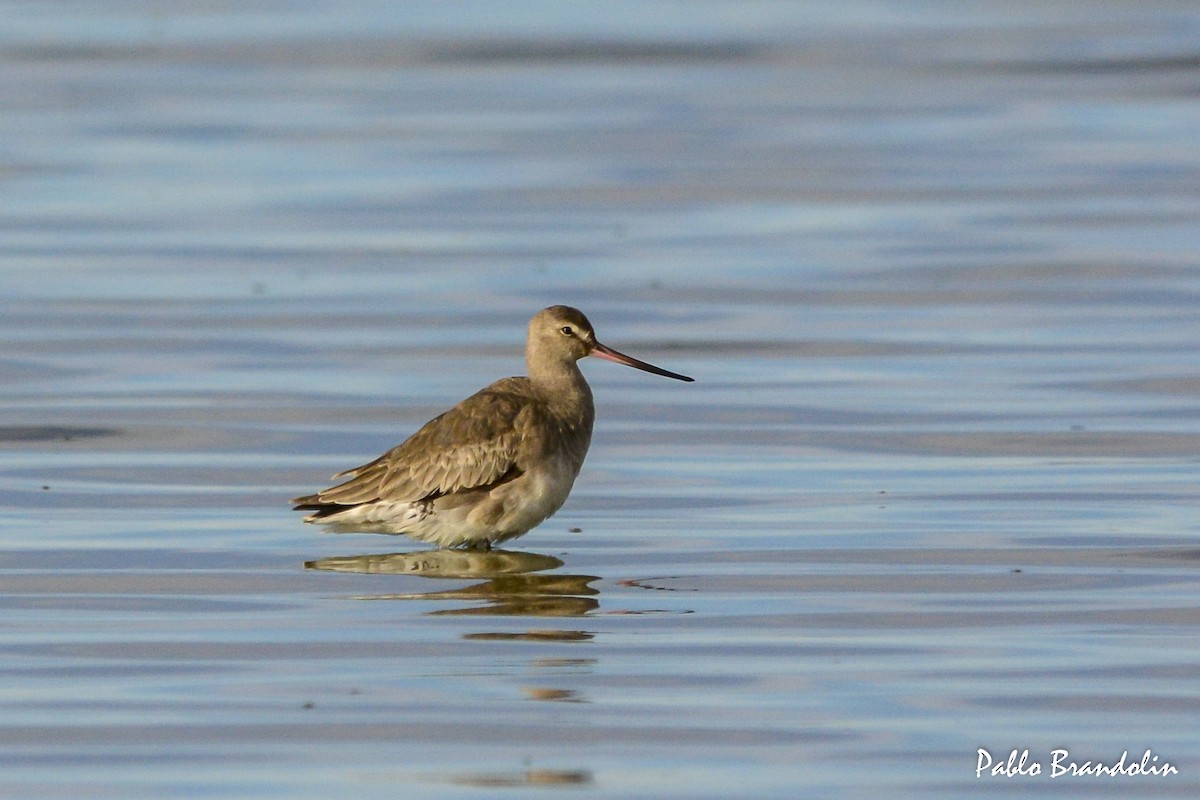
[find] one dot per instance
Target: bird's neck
(565, 391)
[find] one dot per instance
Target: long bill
(608, 354)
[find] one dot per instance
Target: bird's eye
(567, 330)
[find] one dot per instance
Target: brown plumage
(495, 465)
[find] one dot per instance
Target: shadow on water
(52, 433)
(508, 585)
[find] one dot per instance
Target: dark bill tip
(608, 354)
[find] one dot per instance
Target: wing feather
(474, 444)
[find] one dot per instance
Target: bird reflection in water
(509, 586)
(532, 777)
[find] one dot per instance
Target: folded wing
(473, 445)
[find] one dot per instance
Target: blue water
(935, 488)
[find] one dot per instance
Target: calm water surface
(934, 490)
